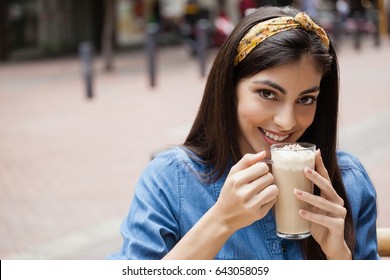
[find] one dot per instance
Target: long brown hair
(215, 133)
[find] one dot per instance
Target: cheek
(306, 117)
(244, 110)
(248, 114)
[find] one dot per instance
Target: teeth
(274, 137)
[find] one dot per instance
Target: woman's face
(277, 105)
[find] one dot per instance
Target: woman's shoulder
(177, 157)
(351, 167)
(165, 170)
(348, 161)
(171, 168)
(170, 154)
(355, 176)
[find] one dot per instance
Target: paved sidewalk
(68, 165)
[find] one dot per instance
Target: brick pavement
(68, 165)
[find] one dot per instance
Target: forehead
(294, 77)
(295, 74)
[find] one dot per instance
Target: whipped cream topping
(293, 157)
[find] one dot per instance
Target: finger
(266, 200)
(247, 161)
(265, 196)
(255, 171)
(256, 186)
(251, 173)
(321, 203)
(322, 171)
(265, 208)
(324, 185)
(331, 223)
(320, 166)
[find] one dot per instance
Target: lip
(270, 141)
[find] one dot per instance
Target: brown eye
(266, 94)
(307, 100)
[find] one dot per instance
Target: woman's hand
(327, 214)
(246, 196)
(248, 193)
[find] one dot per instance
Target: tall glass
(288, 163)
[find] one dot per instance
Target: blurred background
(90, 90)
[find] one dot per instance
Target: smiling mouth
(274, 137)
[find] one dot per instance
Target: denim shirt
(170, 198)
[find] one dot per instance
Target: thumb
(247, 161)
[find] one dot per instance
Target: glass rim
(304, 145)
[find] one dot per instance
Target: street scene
(68, 164)
(69, 159)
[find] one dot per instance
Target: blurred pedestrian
(155, 15)
(340, 23)
(191, 12)
(343, 9)
(311, 7)
(139, 14)
(386, 11)
(358, 13)
(191, 16)
(223, 27)
(246, 5)
(275, 79)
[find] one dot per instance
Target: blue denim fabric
(170, 198)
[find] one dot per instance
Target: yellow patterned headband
(266, 29)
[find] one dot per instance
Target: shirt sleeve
(150, 230)
(362, 197)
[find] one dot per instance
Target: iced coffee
(288, 163)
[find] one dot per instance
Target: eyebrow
(282, 90)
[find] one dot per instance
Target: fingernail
(308, 170)
(298, 192)
(262, 153)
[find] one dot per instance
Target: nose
(285, 118)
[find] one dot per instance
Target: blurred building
(42, 28)
(34, 28)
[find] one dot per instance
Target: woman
(274, 80)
